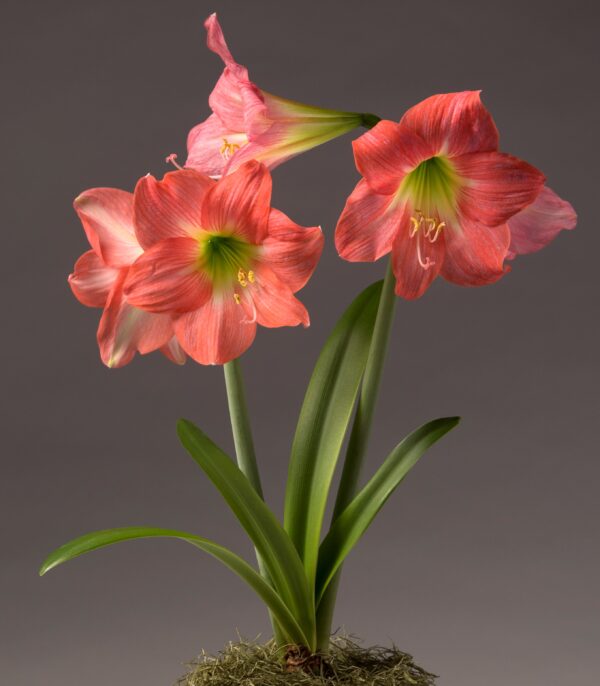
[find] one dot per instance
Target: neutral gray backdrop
(485, 563)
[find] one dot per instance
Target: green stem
(359, 438)
(240, 423)
(245, 453)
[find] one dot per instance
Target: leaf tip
(182, 426)
(46, 567)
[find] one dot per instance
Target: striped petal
(453, 123)
(475, 253)
(168, 278)
(107, 218)
(539, 223)
(367, 225)
(125, 330)
(171, 207)
(291, 251)
(91, 280)
(495, 186)
(217, 333)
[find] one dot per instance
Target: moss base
(248, 664)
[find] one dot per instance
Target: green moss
(249, 664)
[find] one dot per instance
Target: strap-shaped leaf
(323, 423)
(99, 539)
(352, 523)
(270, 539)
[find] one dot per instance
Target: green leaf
(99, 539)
(270, 539)
(323, 423)
(356, 518)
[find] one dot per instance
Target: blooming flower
(248, 123)
(437, 194)
(219, 259)
(99, 274)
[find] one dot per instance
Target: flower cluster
(193, 263)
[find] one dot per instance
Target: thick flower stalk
(248, 123)
(99, 276)
(218, 259)
(438, 195)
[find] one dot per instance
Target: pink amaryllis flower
(249, 123)
(99, 275)
(218, 259)
(437, 194)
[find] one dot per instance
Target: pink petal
(387, 152)
(412, 279)
(231, 96)
(367, 225)
(291, 251)
(205, 143)
(239, 203)
(171, 207)
(91, 281)
(274, 301)
(125, 329)
(453, 123)
(266, 150)
(539, 223)
(475, 254)
(216, 333)
(107, 218)
(235, 99)
(495, 186)
(216, 41)
(168, 278)
(173, 351)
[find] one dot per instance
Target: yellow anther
(251, 276)
(416, 223)
(241, 277)
(227, 149)
(237, 298)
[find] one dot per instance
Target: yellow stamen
(431, 232)
(251, 276)
(237, 298)
(416, 223)
(438, 230)
(228, 149)
(241, 277)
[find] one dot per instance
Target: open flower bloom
(248, 123)
(437, 194)
(99, 274)
(218, 259)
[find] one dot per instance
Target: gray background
(485, 563)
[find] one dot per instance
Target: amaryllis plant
(191, 264)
